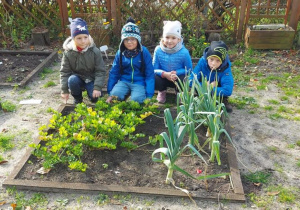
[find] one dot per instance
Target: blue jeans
(122, 89)
(77, 85)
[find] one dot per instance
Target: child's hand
(96, 93)
(171, 76)
(109, 99)
(213, 84)
(65, 96)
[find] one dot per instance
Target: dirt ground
(263, 144)
(14, 68)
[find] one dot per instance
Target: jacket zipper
(132, 71)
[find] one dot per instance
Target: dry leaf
(2, 203)
(257, 184)
(273, 193)
(3, 161)
(43, 170)
(13, 205)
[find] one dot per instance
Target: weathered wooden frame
(48, 186)
(51, 57)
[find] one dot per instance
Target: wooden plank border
(51, 57)
(47, 186)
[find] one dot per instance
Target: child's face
(214, 62)
(130, 43)
(82, 40)
(170, 41)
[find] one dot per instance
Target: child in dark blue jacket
(216, 67)
(132, 70)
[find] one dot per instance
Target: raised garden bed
(132, 172)
(17, 68)
(271, 36)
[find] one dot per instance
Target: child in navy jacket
(216, 67)
(132, 70)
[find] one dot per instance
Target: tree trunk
(40, 36)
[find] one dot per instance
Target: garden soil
(262, 144)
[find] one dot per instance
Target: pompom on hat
(130, 29)
(217, 49)
(172, 28)
(78, 26)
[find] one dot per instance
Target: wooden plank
(47, 186)
(271, 40)
(271, 46)
(233, 163)
(270, 33)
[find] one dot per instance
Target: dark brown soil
(14, 68)
(136, 168)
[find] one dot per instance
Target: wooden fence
(227, 17)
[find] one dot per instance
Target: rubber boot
(161, 96)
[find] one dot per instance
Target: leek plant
(210, 103)
(187, 111)
(174, 148)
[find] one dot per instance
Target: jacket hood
(69, 44)
(223, 66)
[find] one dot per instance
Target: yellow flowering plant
(101, 127)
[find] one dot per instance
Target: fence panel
(18, 18)
(196, 16)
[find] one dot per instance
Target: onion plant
(174, 148)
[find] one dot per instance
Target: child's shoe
(161, 96)
(77, 99)
(227, 105)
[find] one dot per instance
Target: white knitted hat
(172, 28)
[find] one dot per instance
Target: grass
(6, 141)
(45, 72)
(298, 163)
(8, 106)
(258, 177)
(285, 195)
(49, 84)
(36, 201)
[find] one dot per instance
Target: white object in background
(31, 101)
(103, 49)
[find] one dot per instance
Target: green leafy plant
(68, 137)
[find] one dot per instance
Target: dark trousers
(162, 84)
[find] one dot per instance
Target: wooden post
(114, 16)
(295, 13)
(241, 21)
(63, 9)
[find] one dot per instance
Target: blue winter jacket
(180, 61)
(223, 75)
(132, 72)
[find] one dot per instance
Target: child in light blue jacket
(171, 60)
(132, 70)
